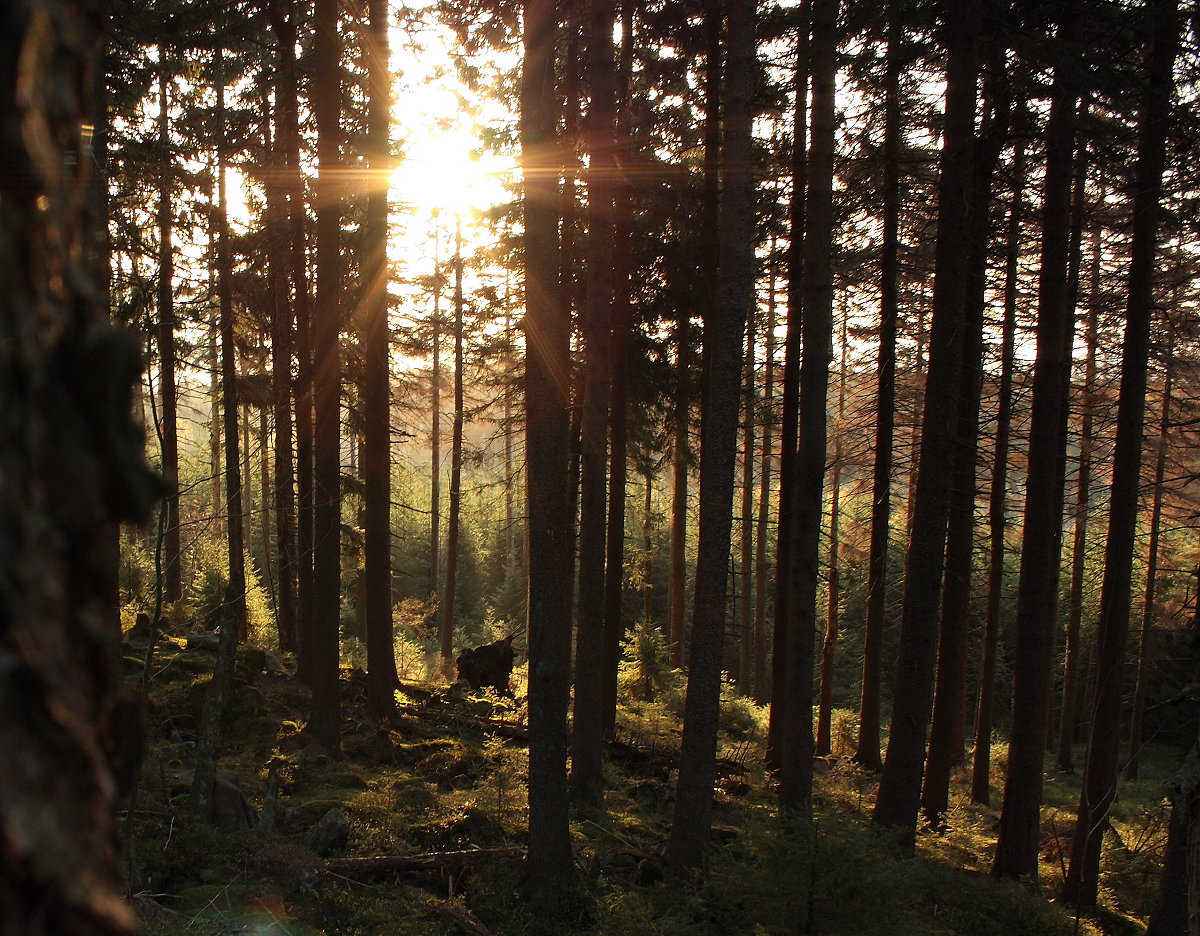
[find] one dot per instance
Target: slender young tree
(790, 403)
(723, 333)
(833, 583)
(761, 564)
(1099, 785)
(746, 558)
(547, 393)
(796, 739)
(869, 721)
(283, 15)
(622, 333)
(377, 387)
(445, 628)
(1072, 657)
(325, 721)
(981, 767)
(167, 365)
(587, 724)
(1017, 844)
(454, 520)
(900, 786)
(947, 733)
(1150, 591)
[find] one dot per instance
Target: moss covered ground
(440, 779)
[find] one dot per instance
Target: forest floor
(449, 776)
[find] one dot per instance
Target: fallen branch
(454, 861)
(460, 916)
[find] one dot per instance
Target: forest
(599, 466)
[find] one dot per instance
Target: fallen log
(450, 862)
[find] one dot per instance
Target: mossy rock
(251, 662)
(313, 810)
(409, 755)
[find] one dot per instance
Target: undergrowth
(439, 780)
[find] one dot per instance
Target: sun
(443, 170)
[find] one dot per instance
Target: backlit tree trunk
(71, 468)
(1099, 786)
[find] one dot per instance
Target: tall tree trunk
(283, 16)
(761, 564)
(614, 562)
(723, 331)
(65, 371)
(1017, 845)
(790, 416)
(680, 452)
(1099, 787)
(587, 733)
(453, 523)
(796, 740)
(832, 606)
(981, 767)
(325, 721)
(233, 616)
(168, 417)
(377, 390)
(900, 785)
(1149, 593)
(869, 720)
(1072, 663)
(214, 411)
(547, 394)
(445, 626)
(283, 482)
(947, 733)
(746, 597)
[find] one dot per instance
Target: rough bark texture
(761, 563)
(900, 785)
(1099, 785)
(377, 389)
(547, 393)
(71, 467)
(723, 331)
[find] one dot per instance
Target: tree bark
(614, 561)
(832, 606)
(900, 785)
(453, 521)
(761, 563)
(587, 725)
(746, 562)
(723, 331)
(377, 389)
(981, 767)
(168, 417)
(869, 720)
(547, 394)
(947, 734)
(1017, 845)
(1149, 593)
(1072, 664)
(1099, 787)
(325, 721)
(790, 404)
(71, 468)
